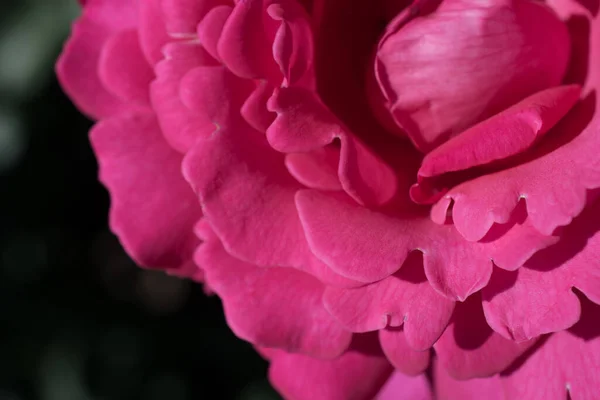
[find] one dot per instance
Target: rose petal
(153, 210)
(248, 198)
(403, 387)
(553, 185)
(497, 52)
(181, 126)
(152, 30)
(255, 110)
(538, 298)
(470, 349)
(316, 169)
(358, 374)
(454, 267)
(304, 124)
(77, 66)
(123, 69)
(271, 307)
(400, 354)
(403, 299)
(211, 28)
(506, 134)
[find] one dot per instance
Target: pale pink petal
(181, 126)
(454, 267)
(304, 124)
(248, 198)
(255, 110)
(245, 46)
(77, 66)
(152, 31)
(271, 307)
(403, 387)
(469, 348)
(356, 375)
(505, 134)
(552, 185)
(538, 298)
(211, 27)
(497, 52)
(123, 69)
(403, 299)
(400, 354)
(153, 210)
(316, 169)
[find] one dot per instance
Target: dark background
(78, 320)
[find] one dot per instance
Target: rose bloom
(393, 199)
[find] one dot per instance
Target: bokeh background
(78, 320)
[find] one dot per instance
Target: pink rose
(374, 189)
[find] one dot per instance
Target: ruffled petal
(449, 388)
(538, 298)
(182, 16)
(152, 30)
(356, 375)
(271, 307)
(469, 348)
(497, 52)
(400, 354)
(403, 299)
(255, 110)
(505, 134)
(211, 27)
(304, 124)
(316, 169)
(245, 46)
(77, 66)
(153, 210)
(123, 69)
(180, 125)
(553, 186)
(403, 387)
(248, 198)
(454, 267)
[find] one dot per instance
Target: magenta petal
(214, 94)
(248, 198)
(292, 45)
(402, 356)
(566, 363)
(505, 134)
(316, 169)
(124, 70)
(272, 307)
(245, 46)
(454, 267)
(358, 374)
(496, 53)
(403, 299)
(304, 124)
(255, 110)
(153, 210)
(449, 388)
(538, 299)
(181, 126)
(553, 186)
(470, 349)
(77, 66)
(211, 27)
(152, 30)
(403, 387)
(182, 16)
